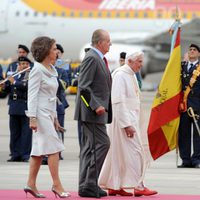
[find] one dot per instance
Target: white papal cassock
(127, 159)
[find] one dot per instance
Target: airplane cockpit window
(26, 13)
(35, 14)
(17, 13)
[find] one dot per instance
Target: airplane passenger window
(53, 14)
(127, 14)
(99, 14)
(44, 14)
(26, 13)
(90, 14)
(117, 14)
(63, 14)
(159, 15)
(194, 15)
(108, 14)
(136, 14)
(17, 13)
(173, 15)
(145, 15)
(184, 15)
(35, 14)
(72, 14)
(81, 14)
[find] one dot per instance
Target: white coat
(42, 88)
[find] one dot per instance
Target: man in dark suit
(190, 158)
(94, 84)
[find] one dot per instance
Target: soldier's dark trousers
(20, 137)
(188, 155)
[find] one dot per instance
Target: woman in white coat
(42, 88)
(126, 161)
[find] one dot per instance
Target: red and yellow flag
(165, 116)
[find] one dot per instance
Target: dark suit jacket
(95, 79)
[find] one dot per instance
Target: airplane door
(3, 15)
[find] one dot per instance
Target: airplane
(132, 24)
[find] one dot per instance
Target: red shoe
(120, 192)
(145, 192)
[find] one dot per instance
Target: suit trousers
(184, 141)
(87, 170)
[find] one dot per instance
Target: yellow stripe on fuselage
(52, 8)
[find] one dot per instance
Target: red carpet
(20, 195)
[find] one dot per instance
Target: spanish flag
(164, 119)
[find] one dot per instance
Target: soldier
(191, 98)
(2, 92)
(1, 73)
(64, 65)
(23, 51)
(20, 133)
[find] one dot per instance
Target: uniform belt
(18, 97)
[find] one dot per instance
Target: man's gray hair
(97, 36)
(134, 56)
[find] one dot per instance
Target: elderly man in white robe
(128, 156)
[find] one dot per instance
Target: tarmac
(163, 175)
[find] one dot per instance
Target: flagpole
(177, 146)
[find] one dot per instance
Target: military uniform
(189, 158)
(20, 133)
(1, 73)
(62, 103)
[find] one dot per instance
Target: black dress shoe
(185, 166)
(25, 160)
(91, 192)
(45, 161)
(102, 193)
(16, 159)
(86, 193)
(197, 166)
